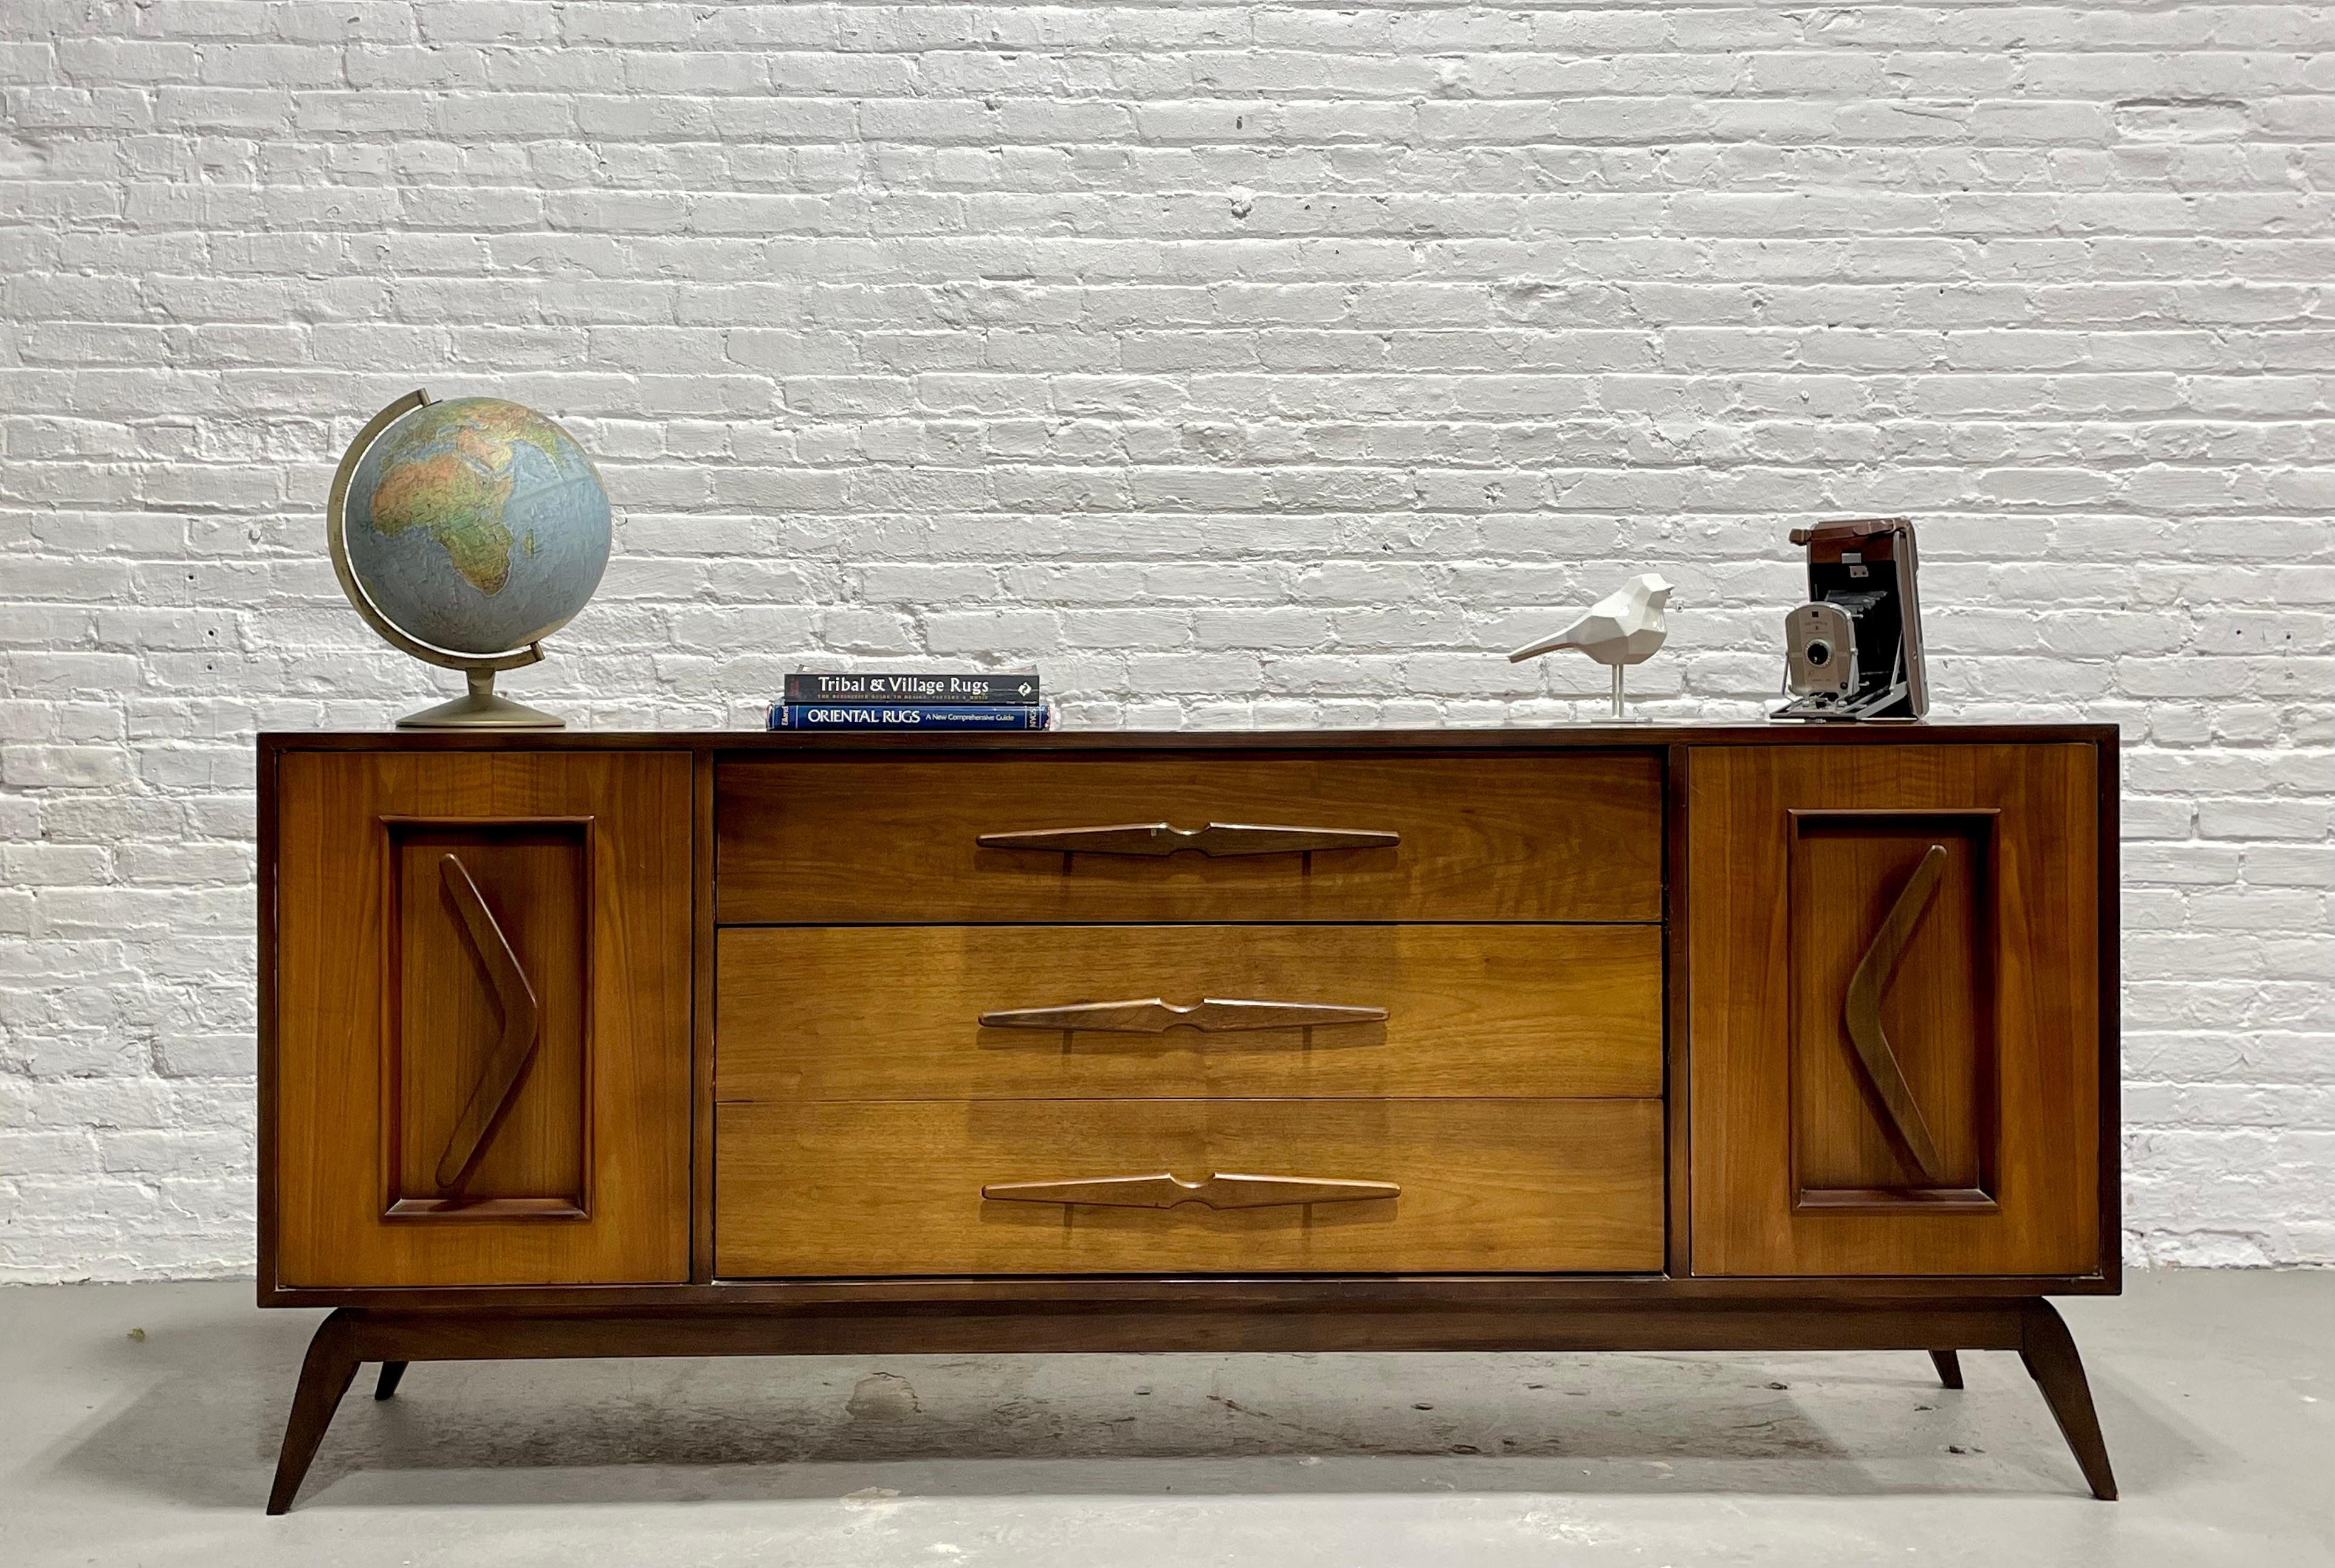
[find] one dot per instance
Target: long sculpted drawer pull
(1213, 1014)
(1216, 840)
(1221, 1190)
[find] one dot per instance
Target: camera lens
(1819, 653)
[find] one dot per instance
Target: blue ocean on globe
(477, 524)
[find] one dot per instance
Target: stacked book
(882, 700)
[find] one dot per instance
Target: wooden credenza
(1622, 1037)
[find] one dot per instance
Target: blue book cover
(904, 716)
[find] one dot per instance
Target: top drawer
(815, 839)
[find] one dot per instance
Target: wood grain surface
(874, 1012)
(820, 839)
(352, 955)
(1937, 1014)
(1538, 1313)
(1997, 1006)
(445, 1023)
(894, 1188)
(1747, 1056)
(1549, 737)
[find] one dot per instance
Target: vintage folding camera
(1853, 651)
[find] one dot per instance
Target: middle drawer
(1172, 1012)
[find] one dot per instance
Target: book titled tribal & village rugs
(930, 701)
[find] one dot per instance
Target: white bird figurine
(1622, 628)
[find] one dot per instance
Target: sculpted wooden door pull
(1162, 1191)
(1216, 840)
(507, 1065)
(1150, 1015)
(1862, 1014)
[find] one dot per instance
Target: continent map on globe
(477, 524)
(448, 469)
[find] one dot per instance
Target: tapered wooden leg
(324, 1377)
(2049, 1353)
(394, 1372)
(1949, 1365)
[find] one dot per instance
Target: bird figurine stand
(1622, 629)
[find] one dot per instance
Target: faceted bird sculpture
(1622, 628)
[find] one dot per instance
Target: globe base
(481, 708)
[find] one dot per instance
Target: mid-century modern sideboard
(1624, 1037)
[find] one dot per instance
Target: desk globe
(465, 532)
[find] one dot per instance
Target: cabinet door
(480, 1058)
(1894, 1008)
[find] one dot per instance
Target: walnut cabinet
(1625, 1038)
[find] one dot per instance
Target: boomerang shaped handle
(507, 1065)
(1862, 1014)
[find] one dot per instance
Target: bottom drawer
(1526, 1185)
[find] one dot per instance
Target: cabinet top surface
(1550, 737)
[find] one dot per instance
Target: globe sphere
(476, 526)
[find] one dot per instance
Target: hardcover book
(906, 716)
(989, 688)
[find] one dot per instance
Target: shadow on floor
(203, 1426)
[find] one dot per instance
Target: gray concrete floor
(2214, 1390)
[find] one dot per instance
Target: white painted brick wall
(1240, 364)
